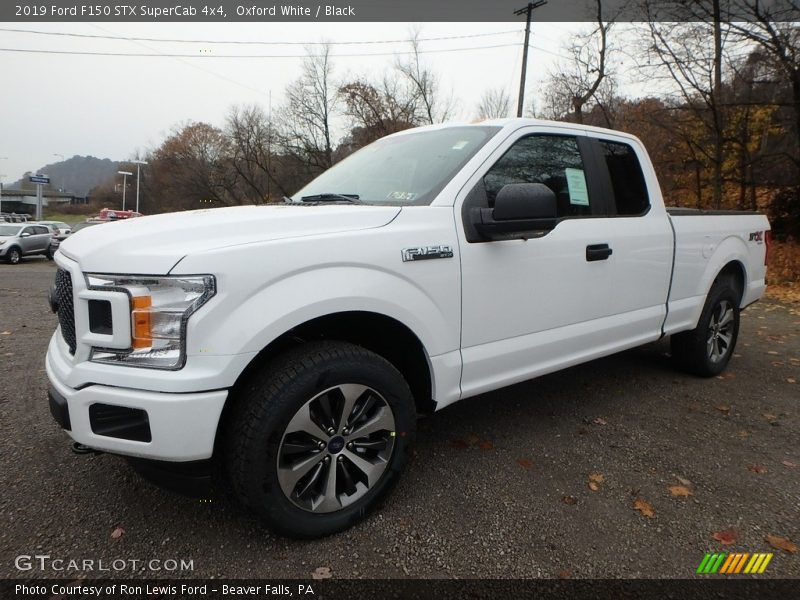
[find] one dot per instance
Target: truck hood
(153, 245)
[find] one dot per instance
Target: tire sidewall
(266, 495)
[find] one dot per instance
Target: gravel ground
(499, 485)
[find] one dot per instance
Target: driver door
(531, 304)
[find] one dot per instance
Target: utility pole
(526, 10)
(138, 163)
(1, 186)
(124, 184)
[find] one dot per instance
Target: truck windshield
(409, 169)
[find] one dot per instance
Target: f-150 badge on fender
(427, 252)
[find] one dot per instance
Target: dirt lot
(501, 485)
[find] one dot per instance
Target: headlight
(160, 307)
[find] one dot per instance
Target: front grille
(66, 308)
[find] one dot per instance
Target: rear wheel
(319, 438)
(707, 349)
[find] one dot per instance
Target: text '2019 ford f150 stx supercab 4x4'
(294, 345)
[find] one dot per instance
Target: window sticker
(460, 145)
(576, 183)
(401, 196)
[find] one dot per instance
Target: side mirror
(518, 208)
(25, 234)
(517, 201)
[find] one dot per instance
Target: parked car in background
(61, 229)
(13, 218)
(78, 226)
(18, 240)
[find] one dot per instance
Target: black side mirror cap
(524, 201)
(521, 210)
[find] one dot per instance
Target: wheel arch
(729, 259)
(379, 333)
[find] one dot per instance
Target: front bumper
(182, 426)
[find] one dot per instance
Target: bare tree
(311, 105)
(378, 110)
(251, 135)
(580, 81)
(433, 105)
(494, 104)
(691, 56)
(770, 28)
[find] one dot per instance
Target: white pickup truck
(294, 345)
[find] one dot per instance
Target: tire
(707, 349)
(272, 437)
(49, 254)
(14, 256)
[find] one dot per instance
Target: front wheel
(14, 256)
(319, 438)
(707, 349)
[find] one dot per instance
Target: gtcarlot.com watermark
(47, 563)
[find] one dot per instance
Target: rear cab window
(630, 197)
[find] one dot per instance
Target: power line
(254, 42)
(207, 56)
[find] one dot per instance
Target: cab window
(552, 160)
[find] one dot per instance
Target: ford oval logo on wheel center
(336, 444)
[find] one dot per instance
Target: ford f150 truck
(294, 345)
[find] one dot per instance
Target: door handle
(598, 252)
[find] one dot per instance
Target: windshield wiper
(351, 198)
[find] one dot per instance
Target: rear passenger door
(43, 237)
(639, 234)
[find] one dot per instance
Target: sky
(54, 105)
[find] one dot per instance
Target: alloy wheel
(720, 331)
(336, 448)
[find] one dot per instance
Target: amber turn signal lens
(140, 317)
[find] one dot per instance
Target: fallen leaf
(321, 573)
(486, 445)
(724, 408)
(564, 574)
(789, 464)
(726, 537)
(525, 463)
(791, 380)
(744, 433)
(595, 479)
(781, 543)
(5, 333)
(769, 416)
(683, 481)
(571, 500)
(600, 421)
(644, 507)
(459, 444)
(757, 468)
(117, 533)
(680, 491)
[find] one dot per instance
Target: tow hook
(79, 448)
